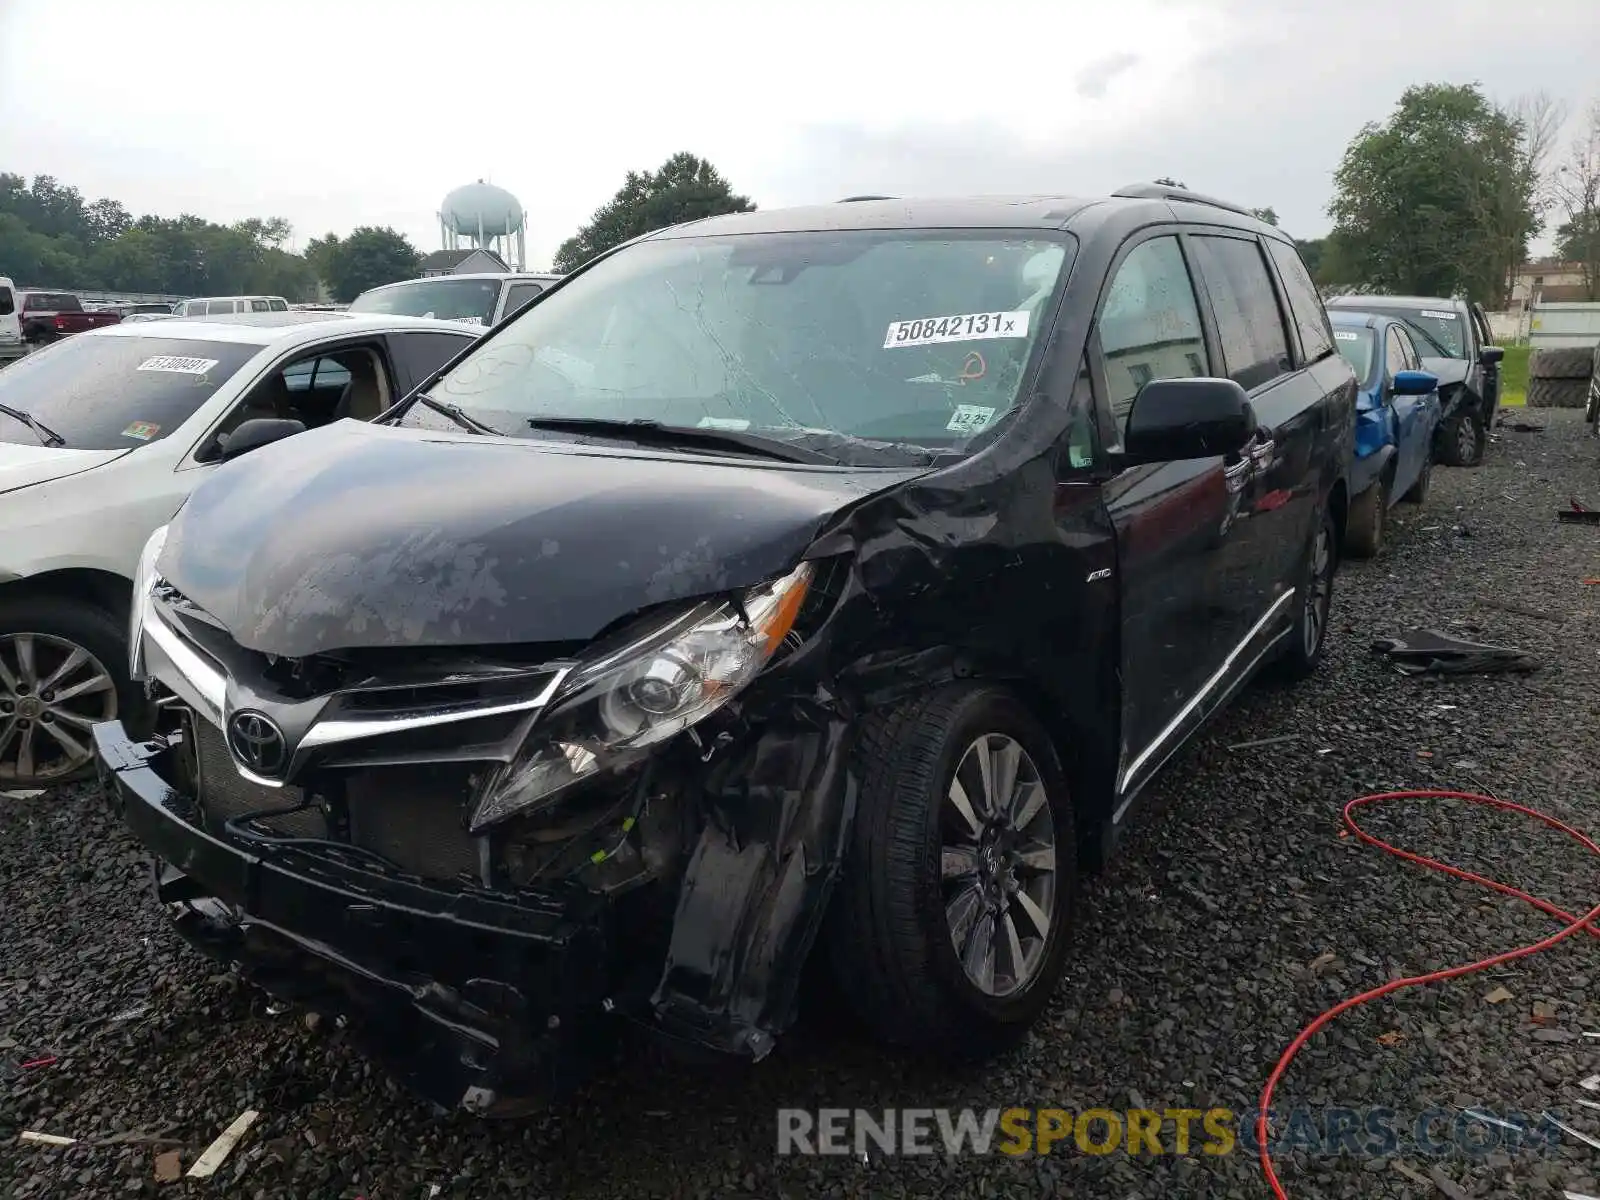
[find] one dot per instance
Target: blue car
(1397, 413)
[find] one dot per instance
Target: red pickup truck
(46, 316)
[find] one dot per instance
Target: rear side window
(221, 308)
(517, 296)
(258, 306)
(1150, 326)
(419, 355)
(1304, 304)
(1255, 346)
(278, 305)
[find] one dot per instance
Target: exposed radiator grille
(414, 817)
(225, 794)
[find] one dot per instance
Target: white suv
(102, 437)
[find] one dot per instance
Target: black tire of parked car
(1313, 603)
(888, 933)
(92, 629)
(1461, 440)
(1561, 362)
(1369, 518)
(1419, 490)
(1558, 393)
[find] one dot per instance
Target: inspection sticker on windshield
(1438, 316)
(733, 424)
(969, 418)
(142, 430)
(183, 366)
(967, 327)
(1344, 335)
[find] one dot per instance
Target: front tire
(1462, 440)
(1369, 518)
(1419, 490)
(949, 927)
(63, 667)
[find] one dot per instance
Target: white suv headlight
(144, 579)
(616, 706)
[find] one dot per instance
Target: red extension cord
(1572, 925)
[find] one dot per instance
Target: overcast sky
(348, 112)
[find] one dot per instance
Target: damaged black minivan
(827, 581)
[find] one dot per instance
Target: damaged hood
(357, 536)
(1450, 371)
(22, 465)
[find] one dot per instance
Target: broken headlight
(618, 704)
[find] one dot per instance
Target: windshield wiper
(655, 433)
(457, 414)
(40, 430)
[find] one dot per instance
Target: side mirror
(252, 435)
(1175, 419)
(1491, 355)
(1414, 383)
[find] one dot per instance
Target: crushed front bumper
(474, 1000)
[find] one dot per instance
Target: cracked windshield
(868, 347)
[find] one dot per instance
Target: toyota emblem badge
(257, 743)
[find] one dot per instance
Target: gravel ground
(1198, 956)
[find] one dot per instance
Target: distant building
(473, 261)
(1549, 281)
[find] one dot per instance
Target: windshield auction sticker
(142, 430)
(1345, 336)
(1437, 315)
(177, 365)
(969, 418)
(967, 327)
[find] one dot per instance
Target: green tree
(1265, 214)
(1311, 254)
(1438, 200)
(685, 188)
(320, 253)
(1577, 190)
(368, 257)
(49, 237)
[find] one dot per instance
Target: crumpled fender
(913, 571)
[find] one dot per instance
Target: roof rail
(853, 199)
(1163, 191)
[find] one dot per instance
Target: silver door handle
(1237, 475)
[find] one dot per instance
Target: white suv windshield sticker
(967, 327)
(1345, 336)
(1439, 316)
(183, 366)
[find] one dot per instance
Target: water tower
(485, 216)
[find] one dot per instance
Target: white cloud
(350, 112)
